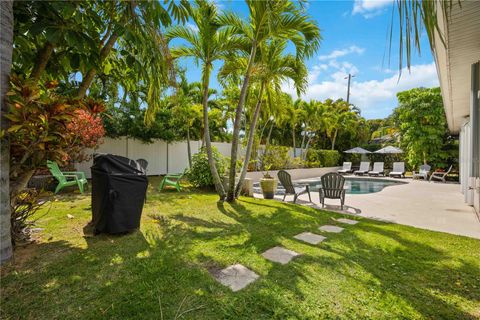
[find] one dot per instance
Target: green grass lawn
(370, 270)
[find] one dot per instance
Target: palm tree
(6, 48)
(293, 114)
(211, 43)
(268, 19)
(415, 17)
(272, 69)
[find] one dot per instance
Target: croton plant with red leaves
(45, 125)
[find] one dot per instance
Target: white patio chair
(364, 168)
(440, 175)
(398, 170)
(377, 169)
(422, 173)
(347, 168)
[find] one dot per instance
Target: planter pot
(269, 187)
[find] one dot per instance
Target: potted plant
(268, 185)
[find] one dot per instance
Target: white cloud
(342, 52)
(370, 8)
(376, 98)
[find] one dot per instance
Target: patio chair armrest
(79, 174)
(71, 176)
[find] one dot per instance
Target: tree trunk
(6, 48)
(189, 150)
(41, 61)
(268, 136)
(88, 78)
(294, 143)
(237, 125)
(208, 143)
(303, 143)
(334, 138)
(251, 138)
(306, 148)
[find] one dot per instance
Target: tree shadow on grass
(123, 277)
(418, 273)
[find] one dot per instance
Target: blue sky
(354, 40)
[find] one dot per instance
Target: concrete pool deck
(418, 203)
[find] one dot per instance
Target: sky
(354, 41)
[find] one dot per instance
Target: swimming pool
(360, 185)
(352, 185)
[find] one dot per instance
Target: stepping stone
(347, 221)
(330, 228)
(309, 237)
(236, 277)
(280, 255)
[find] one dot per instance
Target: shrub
(199, 174)
(322, 158)
(329, 158)
(275, 157)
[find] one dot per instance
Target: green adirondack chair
(172, 180)
(66, 178)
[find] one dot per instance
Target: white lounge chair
(423, 172)
(440, 175)
(364, 168)
(398, 170)
(377, 169)
(347, 168)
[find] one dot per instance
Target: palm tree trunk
(251, 138)
(208, 143)
(294, 143)
(6, 48)
(268, 136)
(302, 144)
(41, 62)
(334, 138)
(189, 150)
(237, 125)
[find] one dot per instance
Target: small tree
(423, 125)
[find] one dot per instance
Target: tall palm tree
(268, 19)
(6, 48)
(211, 43)
(271, 69)
(293, 115)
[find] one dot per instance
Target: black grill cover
(119, 187)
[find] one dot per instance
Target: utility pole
(350, 76)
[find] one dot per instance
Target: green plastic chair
(66, 178)
(173, 180)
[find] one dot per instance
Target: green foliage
(128, 121)
(275, 158)
(423, 126)
(323, 158)
(199, 174)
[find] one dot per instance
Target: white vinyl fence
(162, 157)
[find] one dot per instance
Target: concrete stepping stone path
(236, 277)
(310, 238)
(280, 255)
(330, 228)
(347, 221)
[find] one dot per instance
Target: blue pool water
(360, 185)
(352, 185)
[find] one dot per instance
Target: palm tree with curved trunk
(6, 48)
(272, 68)
(268, 19)
(212, 42)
